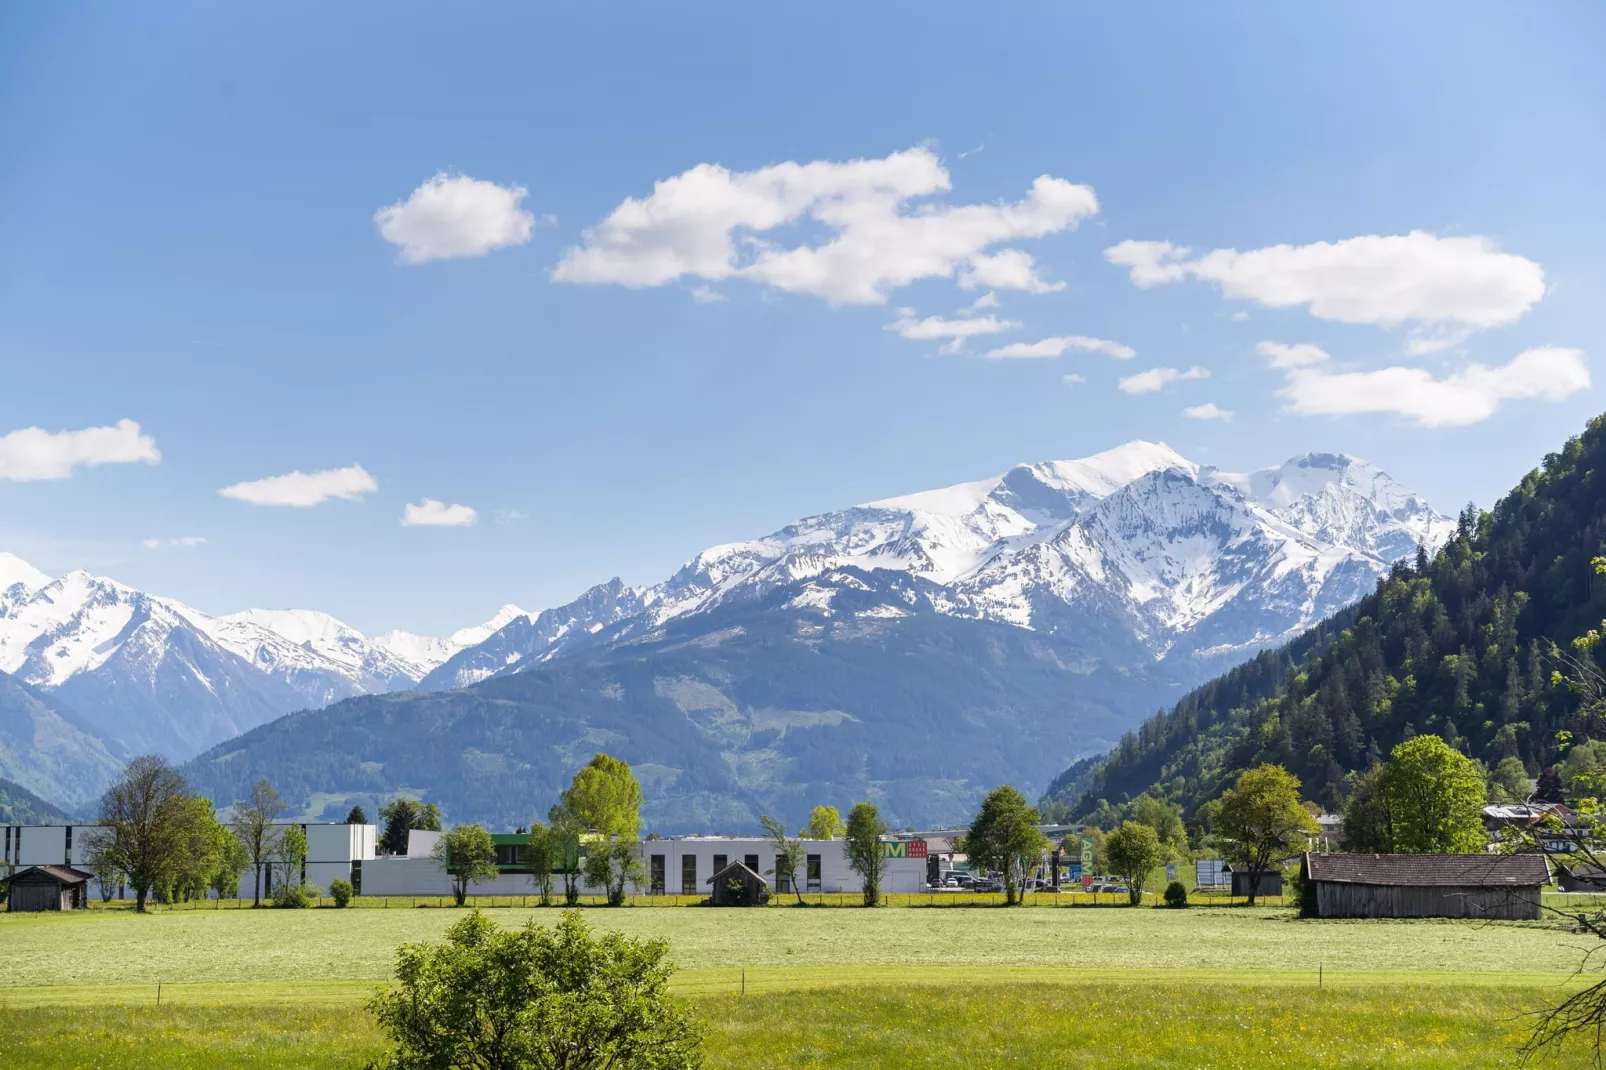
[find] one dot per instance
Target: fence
(936, 900)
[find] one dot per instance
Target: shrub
(340, 891)
(536, 997)
(295, 896)
(1176, 895)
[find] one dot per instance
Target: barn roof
(1430, 871)
(736, 865)
(64, 874)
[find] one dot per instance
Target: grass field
(1157, 1024)
(824, 987)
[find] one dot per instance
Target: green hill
(1456, 646)
(19, 806)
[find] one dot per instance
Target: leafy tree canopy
(605, 797)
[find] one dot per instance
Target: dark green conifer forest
(1457, 645)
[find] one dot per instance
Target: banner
(1087, 852)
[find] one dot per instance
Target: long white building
(679, 866)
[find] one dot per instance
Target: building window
(751, 862)
(719, 864)
(657, 875)
(688, 875)
(356, 877)
(813, 868)
(68, 860)
(783, 880)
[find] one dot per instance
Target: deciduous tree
(606, 798)
(149, 822)
(789, 855)
(468, 855)
(252, 820)
(542, 855)
(1435, 799)
(825, 823)
(1261, 821)
(1134, 851)
(1004, 836)
(864, 850)
(612, 864)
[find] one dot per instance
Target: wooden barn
(1271, 881)
(737, 886)
(48, 888)
(1424, 886)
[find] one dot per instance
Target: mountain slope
(19, 806)
(1456, 647)
(49, 750)
(847, 685)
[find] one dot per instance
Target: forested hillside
(19, 806)
(1456, 646)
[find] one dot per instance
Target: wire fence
(933, 900)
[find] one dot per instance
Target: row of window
(688, 872)
(13, 847)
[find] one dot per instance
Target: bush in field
(536, 997)
(1176, 895)
(340, 891)
(294, 895)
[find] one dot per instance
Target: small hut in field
(737, 886)
(48, 888)
(1485, 886)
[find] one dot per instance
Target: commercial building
(678, 866)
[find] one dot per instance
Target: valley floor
(821, 986)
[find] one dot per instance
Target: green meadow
(821, 986)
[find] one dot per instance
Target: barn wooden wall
(1335, 900)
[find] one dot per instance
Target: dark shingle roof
(65, 874)
(1431, 871)
(736, 865)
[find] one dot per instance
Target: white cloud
(1007, 269)
(32, 453)
(712, 223)
(1208, 411)
(1416, 278)
(434, 514)
(1158, 378)
(986, 300)
(1240, 316)
(454, 216)
(183, 540)
(1291, 356)
(305, 489)
(955, 331)
(1468, 396)
(706, 295)
(1054, 347)
(1073, 379)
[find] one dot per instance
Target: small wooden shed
(1271, 881)
(1482, 886)
(737, 886)
(48, 888)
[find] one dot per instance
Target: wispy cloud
(183, 540)
(1208, 411)
(305, 489)
(1049, 348)
(1158, 378)
(954, 331)
(436, 514)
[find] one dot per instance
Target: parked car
(986, 884)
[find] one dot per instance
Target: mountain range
(913, 650)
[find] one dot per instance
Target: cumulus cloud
(1416, 278)
(455, 216)
(32, 453)
(1158, 378)
(1073, 379)
(1055, 347)
(986, 300)
(953, 331)
(1007, 269)
(1467, 396)
(706, 295)
(712, 223)
(183, 540)
(302, 490)
(433, 514)
(1291, 356)
(1208, 411)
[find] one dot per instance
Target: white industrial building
(679, 866)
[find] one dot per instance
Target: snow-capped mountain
(1186, 560)
(152, 673)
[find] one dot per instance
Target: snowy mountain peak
(14, 572)
(478, 633)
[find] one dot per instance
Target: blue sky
(188, 240)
